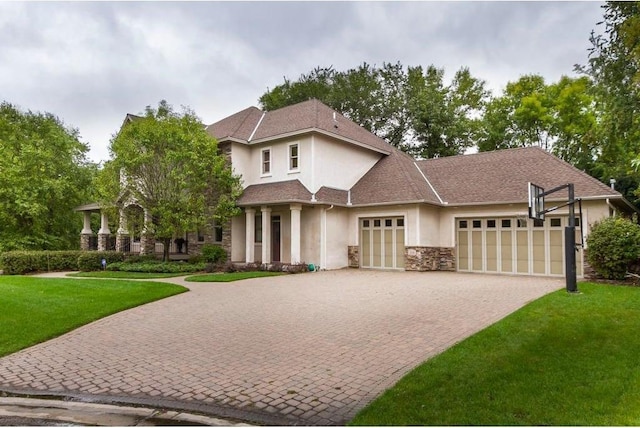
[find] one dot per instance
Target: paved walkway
(308, 349)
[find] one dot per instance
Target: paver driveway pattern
(296, 349)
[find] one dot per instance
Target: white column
(123, 228)
(104, 224)
(147, 221)
(86, 229)
(250, 236)
(266, 234)
(295, 232)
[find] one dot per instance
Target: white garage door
(513, 245)
(382, 243)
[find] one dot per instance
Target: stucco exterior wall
(310, 234)
(319, 158)
(337, 242)
(330, 156)
(238, 236)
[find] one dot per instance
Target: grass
(228, 277)
(561, 360)
(33, 310)
(125, 275)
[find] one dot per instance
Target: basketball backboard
(536, 202)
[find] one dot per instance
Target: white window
(294, 158)
(266, 161)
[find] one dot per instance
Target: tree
(44, 175)
(412, 110)
(614, 67)
(558, 117)
(444, 119)
(168, 165)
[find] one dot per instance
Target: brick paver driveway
(298, 349)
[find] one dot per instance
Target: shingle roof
(251, 125)
(329, 195)
(271, 193)
(502, 176)
(237, 126)
(395, 178)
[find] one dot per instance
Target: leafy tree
(44, 175)
(558, 117)
(444, 119)
(613, 243)
(413, 109)
(614, 67)
(168, 164)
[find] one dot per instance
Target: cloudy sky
(91, 63)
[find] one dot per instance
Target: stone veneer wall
(85, 241)
(195, 246)
(354, 256)
(430, 258)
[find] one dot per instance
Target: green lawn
(33, 310)
(228, 277)
(562, 360)
(125, 275)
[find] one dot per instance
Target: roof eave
(319, 131)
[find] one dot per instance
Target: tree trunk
(165, 253)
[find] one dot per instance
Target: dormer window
(266, 161)
(294, 157)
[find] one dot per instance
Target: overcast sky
(91, 63)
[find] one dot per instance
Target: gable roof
(272, 193)
(502, 176)
(238, 126)
(252, 126)
(394, 178)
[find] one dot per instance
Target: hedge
(157, 267)
(21, 262)
(92, 260)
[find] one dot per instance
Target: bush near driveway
(612, 245)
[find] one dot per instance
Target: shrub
(21, 262)
(92, 260)
(214, 254)
(157, 267)
(140, 258)
(612, 245)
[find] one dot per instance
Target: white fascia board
(323, 132)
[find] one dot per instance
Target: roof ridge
(477, 154)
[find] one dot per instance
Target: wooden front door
(275, 238)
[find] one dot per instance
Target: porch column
(123, 234)
(266, 234)
(295, 232)
(87, 233)
(147, 241)
(104, 232)
(250, 235)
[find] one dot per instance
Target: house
(320, 189)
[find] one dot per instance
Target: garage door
(513, 245)
(382, 243)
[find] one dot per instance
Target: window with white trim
(294, 157)
(265, 157)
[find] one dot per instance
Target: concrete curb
(39, 411)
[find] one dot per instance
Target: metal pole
(570, 245)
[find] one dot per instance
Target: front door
(275, 238)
